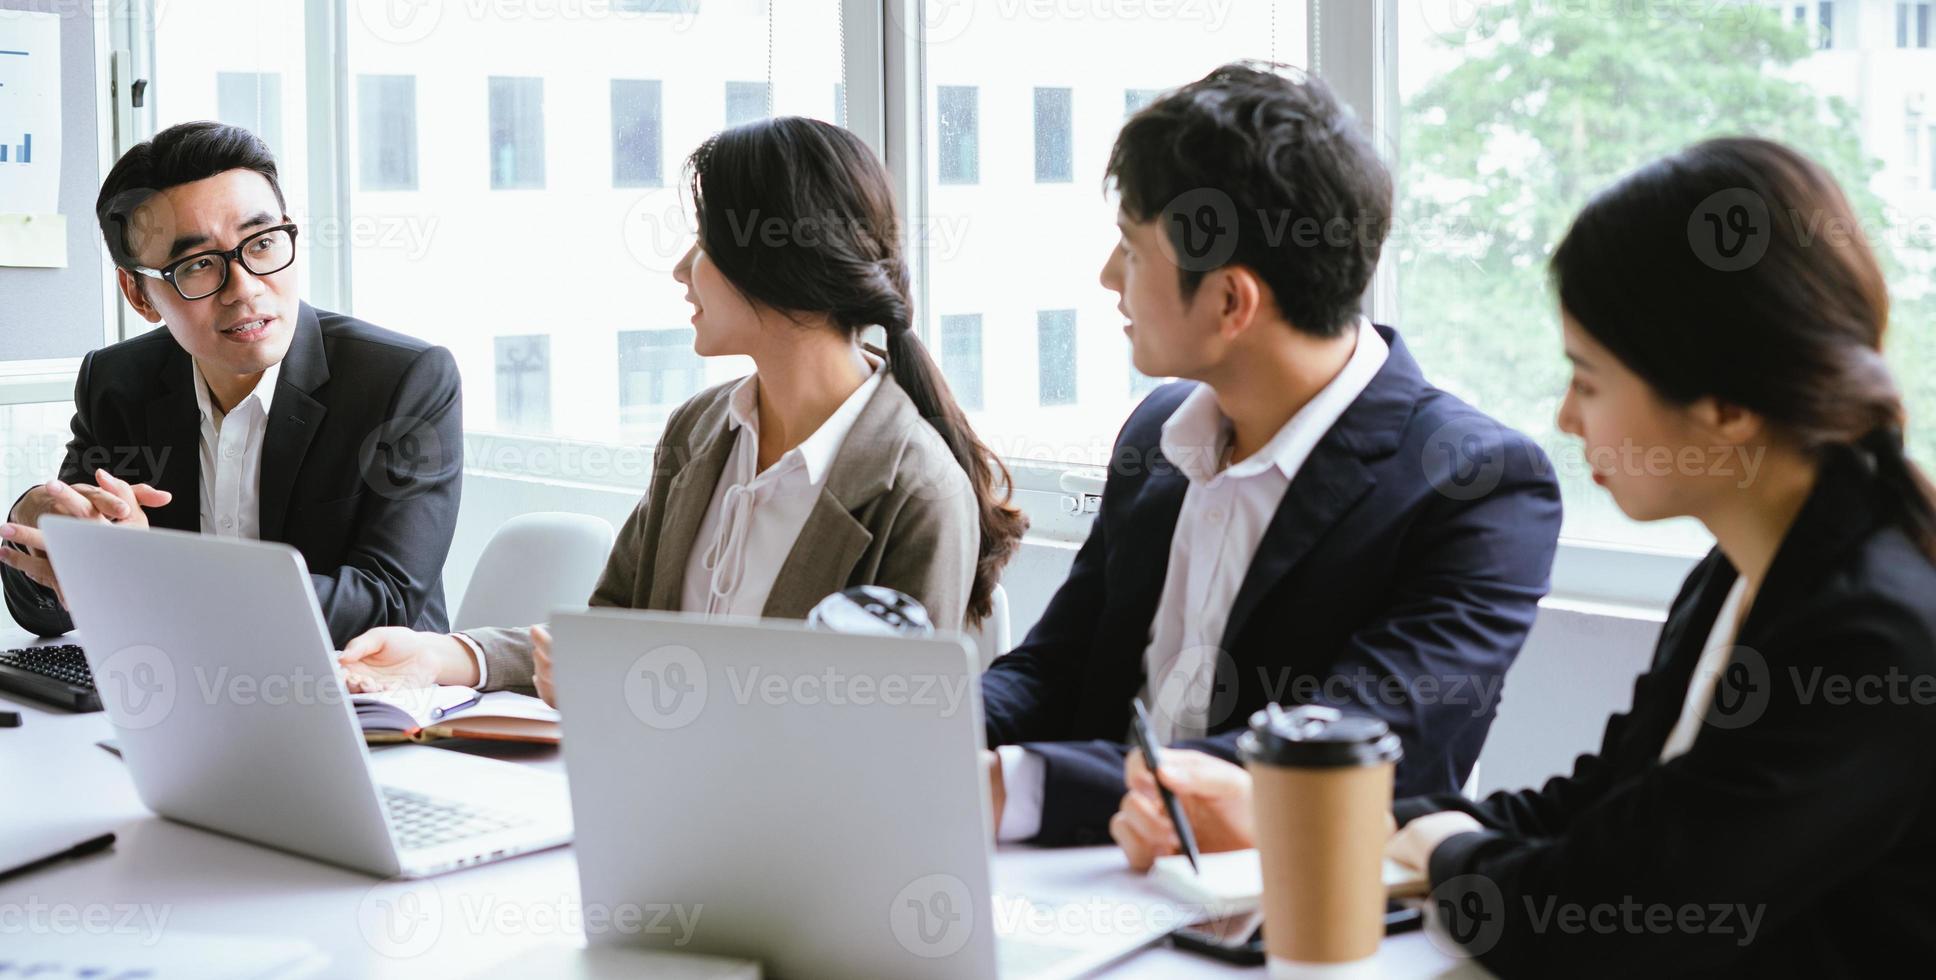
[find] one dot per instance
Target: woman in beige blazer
(834, 464)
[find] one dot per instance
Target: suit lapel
(294, 417)
(687, 499)
(1334, 477)
(175, 436)
(1326, 486)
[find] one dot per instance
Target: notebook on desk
(1233, 881)
(429, 714)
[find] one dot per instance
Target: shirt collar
(818, 450)
(1195, 435)
(264, 390)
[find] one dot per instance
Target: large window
(961, 344)
(517, 133)
(1512, 119)
(607, 101)
(1022, 111)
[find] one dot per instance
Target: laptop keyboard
(56, 673)
(425, 821)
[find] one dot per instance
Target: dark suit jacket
(1415, 542)
(361, 463)
(1814, 811)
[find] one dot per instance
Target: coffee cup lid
(1318, 736)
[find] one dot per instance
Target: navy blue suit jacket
(1398, 577)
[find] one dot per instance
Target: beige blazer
(895, 510)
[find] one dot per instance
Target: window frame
(1352, 46)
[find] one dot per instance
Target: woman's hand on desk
(1413, 846)
(396, 656)
(1216, 800)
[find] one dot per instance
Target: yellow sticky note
(36, 241)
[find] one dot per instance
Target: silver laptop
(217, 672)
(812, 800)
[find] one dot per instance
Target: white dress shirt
(231, 456)
(754, 517)
(1222, 521)
(1707, 675)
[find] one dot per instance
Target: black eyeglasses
(203, 274)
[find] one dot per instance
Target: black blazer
(361, 463)
(1416, 540)
(1808, 815)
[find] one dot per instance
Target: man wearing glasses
(253, 414)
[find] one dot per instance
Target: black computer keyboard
(56, 674)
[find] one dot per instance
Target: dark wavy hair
(838, 253)
(1310, 198)
(1736, 269)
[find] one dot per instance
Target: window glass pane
(745, 102)
(658, 371)
(211, 59)
(1513, 118)
(627, 89)
(635, 133)
(387, 132)
(1023, 111)
(517, 133)
(961, 357)
(252, 100)
(1056, 356)
(959, 156)
(33, 441)
(1052, 161)
(524, 383)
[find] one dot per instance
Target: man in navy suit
(1305, 519)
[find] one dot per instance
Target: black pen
(81, 850)
(1146, 740)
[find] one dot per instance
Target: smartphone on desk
(1239, 938)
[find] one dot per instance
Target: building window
(959, 156)
(517, 133)
(386, 108)
(636, 133)
(1825, 25)
(253, 101)
(524, 383)
(745, 102)
(961, 357)
(1055, 356)
(657, 370)
(1134, 99)
(1912, 23)
(1053, 163)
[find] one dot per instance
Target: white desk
(59, 788)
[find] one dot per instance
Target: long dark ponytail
(799, 215)
(1736, 268)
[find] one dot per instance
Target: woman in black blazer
(1768, 805)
